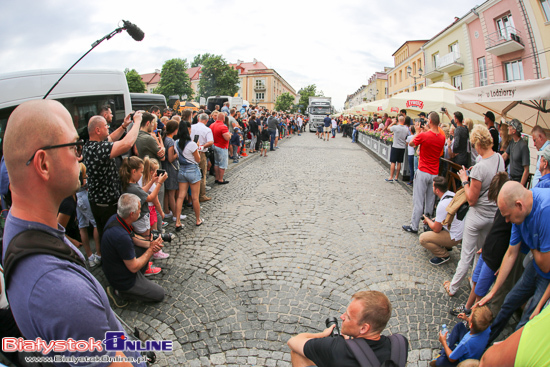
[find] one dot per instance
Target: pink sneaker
(160, 255)
(152, 270)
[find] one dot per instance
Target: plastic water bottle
(445, 330)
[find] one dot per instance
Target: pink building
(501, 41)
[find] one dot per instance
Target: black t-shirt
(494, 133)
(332, 352)
(497, 242)
(117, 246)
(253, 126)
(68, 207)
(460, 146)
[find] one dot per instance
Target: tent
(526, 100)
(431, 98)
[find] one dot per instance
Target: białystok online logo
(114, 341)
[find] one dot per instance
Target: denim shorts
(220, 157)
(483, 276)
(84, 210)
(190, 174)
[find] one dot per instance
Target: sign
(414, 104)
(394, 109)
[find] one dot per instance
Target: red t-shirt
(218, 129)
(431, 145)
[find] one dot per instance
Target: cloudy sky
(336, 45)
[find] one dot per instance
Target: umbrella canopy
(432, 98)
(526, 100)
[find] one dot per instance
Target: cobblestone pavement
(284, 246)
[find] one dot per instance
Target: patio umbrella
(526, 100)
(432, 98)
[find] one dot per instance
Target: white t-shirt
(410, 149)
(150, 203)
(334, 125)
(188, 152)
(204, 133)
(457, 226)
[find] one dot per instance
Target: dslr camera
(166, 237)
(333, 321)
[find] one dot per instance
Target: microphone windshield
(133, 30)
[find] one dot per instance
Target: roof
(153, 78)
(194, 72)
(410, 41)
(246, 66)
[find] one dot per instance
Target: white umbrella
(526, 100)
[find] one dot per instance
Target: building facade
(538, 14)
(377, 88)
(409, 55)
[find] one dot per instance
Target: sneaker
(439, 260)
(409, 183)
(160, 255)
(409, 229)
(94, 260)
(152, 270)
(390, 181)
(235, 161)
(164, 224)
(210, 188)
(118, 301)
(460, 309)
(182, 217)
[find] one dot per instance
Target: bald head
(44, 117)
(510, 193)
(515, 202)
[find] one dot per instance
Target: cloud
(335, 45)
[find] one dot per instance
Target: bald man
(51, 298)
(99, 155)
(529, 211)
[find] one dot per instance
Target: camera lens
(333, 321)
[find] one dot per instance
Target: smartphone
(160, 172)
(443, 109)
(196, 139)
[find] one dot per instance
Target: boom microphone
(133, 30)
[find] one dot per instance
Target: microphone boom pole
(94, 45)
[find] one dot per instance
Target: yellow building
(260, 85)
(409, 55)
(448, 56)
(538, 14)
(378, 86)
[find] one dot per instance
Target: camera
(166, 237)
(443, 109)
(333, 321)
(160, 172)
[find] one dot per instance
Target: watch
(464, 183)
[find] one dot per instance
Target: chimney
(157, 71)
(255, 61)
(456, 19)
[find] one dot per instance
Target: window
(400, 75)
(454, 49)
(435, 58)
(259, 96)
(260, 84)
(457, 82)
(505, 27)
(390, 81)
(482, 69)
(414, 68)
(513, 70)
(546, 9)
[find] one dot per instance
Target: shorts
(220, 157)
(265, 144)
(190, 174)
(397, 155)
(142, 225)
(483, 276)
(152, 215)
(84, 210)
(327, 129)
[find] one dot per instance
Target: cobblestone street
(284, 246)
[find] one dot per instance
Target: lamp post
(373, 94)
(420, 72)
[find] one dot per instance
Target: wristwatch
(464, 183)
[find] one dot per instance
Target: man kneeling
(120, 265)
(440, 239)
(364, 320)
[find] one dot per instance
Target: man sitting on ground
(121, 267)
(365, 319)
(441, 239)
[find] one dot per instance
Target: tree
(284, 102)
(305, 93)
(199, 59)
(174, 80)
(217, 77)
(135, 84)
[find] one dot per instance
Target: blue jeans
(530, 287)
(453, 339)
(272, 134)
(333, 132)
(353, 136)
(411, 167)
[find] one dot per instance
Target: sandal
(447, 286)
(179, 228)
(202, 221)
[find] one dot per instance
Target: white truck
(318, 109)
(234, 102)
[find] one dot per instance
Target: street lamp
(420, 72)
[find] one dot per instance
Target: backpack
(366, 357)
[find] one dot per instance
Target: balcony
(259, 88)
(450, 63)
(432, 71)
(504, 41)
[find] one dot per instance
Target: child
(471, 345)
(264, 141)
(236, 143)
(411, 155)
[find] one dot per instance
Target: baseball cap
(515, 124)
(490, 115)
(422, 114)
(546, 153)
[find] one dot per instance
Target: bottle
(445, 330)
